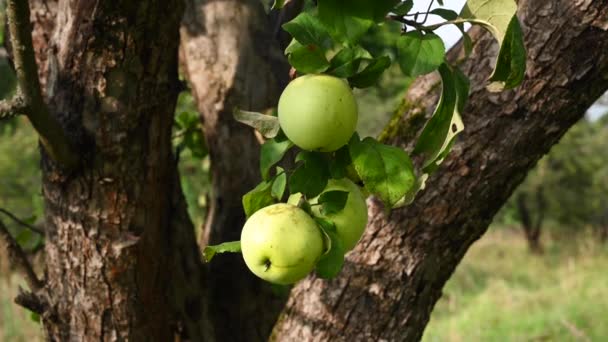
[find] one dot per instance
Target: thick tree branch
(393, 278)
(17, 257)
(51, 133)
(21, 222)
(13, 107)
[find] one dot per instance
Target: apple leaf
(494, 15)
(267, 125)
(258, 198)
(498, 17)
(279, 184)
(445, 13)
(418, 53)
(332, 201)
(346, 62)
(438, 134)
(227, 247)
(308, 30)
(272, 152)
(339, 163)
(371, 73)
(307, 59)
(511, 61)
(375, 10)
(411, 194)
(341, 21)
(310, 177)
(330, 264)
(386, 171)
(403, 8)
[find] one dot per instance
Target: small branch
(17, 257)
(52, 136)
(13, 107)
(30, 301)
(25, 224)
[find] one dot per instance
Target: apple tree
(99, 80)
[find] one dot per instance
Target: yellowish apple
(351, 221)
(281, 243)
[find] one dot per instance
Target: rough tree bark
(231, 58)
(395, 275)
(116, 251)
(113, 88)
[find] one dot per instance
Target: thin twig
(428, 10)
(52, 135)
(13, 107)
(18, 258)
(21, 222)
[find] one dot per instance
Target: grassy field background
(502, 293)
(498, 293)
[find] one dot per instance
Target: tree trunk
(231, 59)
(531, 230)
(395, 275)
(114, 225)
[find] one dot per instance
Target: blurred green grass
(15, 322)
(500, 292)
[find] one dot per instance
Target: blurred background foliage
(500, 291)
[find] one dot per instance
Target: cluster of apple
(282, 243)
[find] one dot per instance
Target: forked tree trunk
(395, 275)
(122, 261)
(231, 58)
(114, 223)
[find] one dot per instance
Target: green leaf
(498, 17)
(307, 59)
(339, 163)
(371, 73)
(411, 194)
(386, 171)
(494, 15)
(437, 136)
(272, 152)
(186, 120)
(445, 13)
(279, 184)
(419, 54)
(34, 317)
(403, 7)
(308, 30)
(378, 8)
(195, 142)
(267, 125)
(227, 247)
(511, 62)
(332, 201)
(342, 22)
(310, 177)
(346, 62)
(258, 198)
(332, 261)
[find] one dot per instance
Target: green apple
(281, 243)
(351, 221)
(318, 112)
